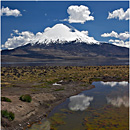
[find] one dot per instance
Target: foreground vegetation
(5, 99)
(9, 115)
(25, 98)
(107, 118)
(49, 75)
(25, 84)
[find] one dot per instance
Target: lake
(105, 107)
(90, 62)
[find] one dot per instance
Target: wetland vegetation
(47, 86)
(10, 76)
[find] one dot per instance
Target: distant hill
(63, 52)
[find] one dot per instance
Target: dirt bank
(43, 101)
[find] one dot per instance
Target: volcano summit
(61, 43)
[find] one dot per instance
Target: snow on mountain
(59, 33)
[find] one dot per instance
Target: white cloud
(79, 14)
(111, 40)
(122, 36)
(47, 29)
(116, 40)
(112, 34)
(63, 20)
(79, 102)
(119, 13)
(113, 84)
(20, 40)
(119, 101)
(59, 33)
(120, 43)
(10, 12)
(85, 32)
(39, 34)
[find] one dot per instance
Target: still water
(92, 62)
(103, 108)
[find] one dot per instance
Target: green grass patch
(94, 79)
(9, 115)
(5, 99)
(25, 98)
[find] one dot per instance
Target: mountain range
(64, 43)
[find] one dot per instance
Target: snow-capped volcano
(61, 43)
(61, 33)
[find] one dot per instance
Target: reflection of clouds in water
(117, 102)
(123, 83)
(79, 102)
(112, 84)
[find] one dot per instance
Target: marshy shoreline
(59, 83)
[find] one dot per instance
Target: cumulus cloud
(111, 40)
(10, 12)
(47, 29)
(59, 33)
(23, 38)
(79, 102)
(85, 32)
(119, 101)
(120, 43)
(78, 14)
(122, 36)
(112, 34)
(119, 13)
(113, 84)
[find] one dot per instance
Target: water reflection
(113, 84)
(79, 102)
(103, 107)
(117, 102)
(118, 96)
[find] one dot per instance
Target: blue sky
(37, 15)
